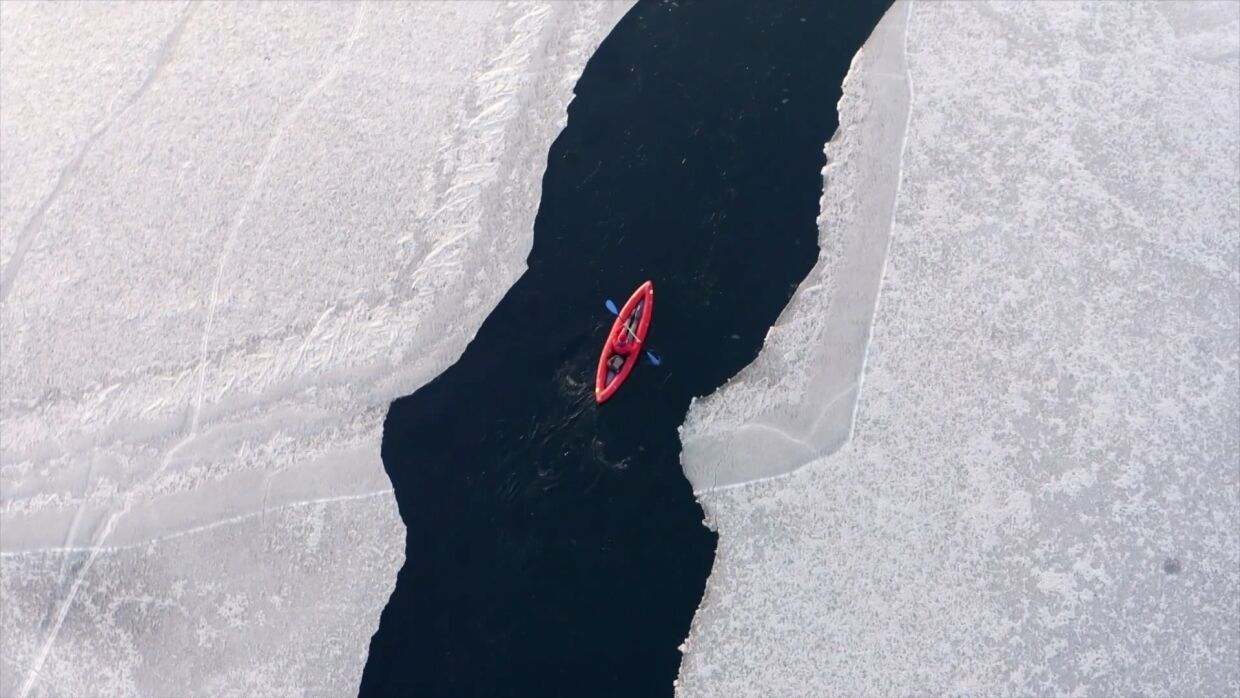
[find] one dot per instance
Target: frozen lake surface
(229, 237)
(991, 445)
(1038, 488)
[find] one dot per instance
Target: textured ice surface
(229, 236)
(1041, 492)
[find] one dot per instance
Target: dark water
(554, 547)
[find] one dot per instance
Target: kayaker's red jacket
(624, 343)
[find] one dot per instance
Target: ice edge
(894, 25)
(778, 401)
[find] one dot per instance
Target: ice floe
(1038, 490)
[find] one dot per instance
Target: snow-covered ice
(229, 236)
(1038, 488)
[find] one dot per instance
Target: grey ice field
(991, 447)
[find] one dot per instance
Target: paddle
(654, 358)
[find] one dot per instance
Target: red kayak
(624, 343)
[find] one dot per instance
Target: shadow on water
(554, 547)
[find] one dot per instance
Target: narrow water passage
(553, 546)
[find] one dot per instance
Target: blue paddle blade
(654, 358)
(612, 307)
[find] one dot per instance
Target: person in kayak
(626, 341)
(623, 345)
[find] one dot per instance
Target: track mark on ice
(30, 231)
(260, 175)
(61, 690)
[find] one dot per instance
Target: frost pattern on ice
(1041, 494)
(229, 236)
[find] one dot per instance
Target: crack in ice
(109, 524)
(813, 452)
(891, 225)
(30, 231)
(196, 529)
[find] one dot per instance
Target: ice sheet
(229, 236)
(1040, 493)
